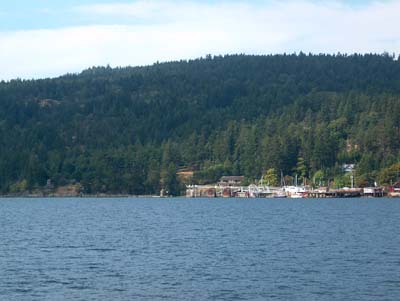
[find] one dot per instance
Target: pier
(336, 193)
(254, 191)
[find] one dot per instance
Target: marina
(230, 187)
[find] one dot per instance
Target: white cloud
(173, 30)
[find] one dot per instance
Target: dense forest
(130, 130)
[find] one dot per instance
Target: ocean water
(199, 249)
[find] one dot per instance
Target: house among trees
(231, 181)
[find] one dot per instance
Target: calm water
(199, 249)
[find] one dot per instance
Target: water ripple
(199, 249)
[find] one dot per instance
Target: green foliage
(301, 168)
(128, 130)
(390, 175)
(169, 180)
(319, 178)
(270, 178)
(20, 186)
(212, 174)
(343, 180)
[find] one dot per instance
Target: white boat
(295, 191)
(278, 193)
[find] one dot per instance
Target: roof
(232, 178)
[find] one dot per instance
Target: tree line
(130, 130)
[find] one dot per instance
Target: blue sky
(45, 38)
(45, 14)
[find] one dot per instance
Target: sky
(48, 38)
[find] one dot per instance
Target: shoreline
(124, 196)
(33, 196)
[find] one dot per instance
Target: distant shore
(99, 195)
(103, 195)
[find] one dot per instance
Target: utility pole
(352, 179)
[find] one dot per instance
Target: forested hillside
(129, 130)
